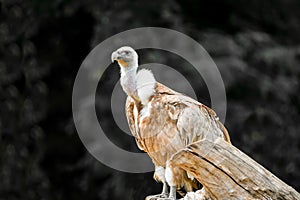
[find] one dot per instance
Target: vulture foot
(157, 196)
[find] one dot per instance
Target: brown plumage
(164, 121)
(174, 121)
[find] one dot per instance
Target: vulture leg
(172, 195)
(169, 175)
(170, 181)
(164, 193)
(165, 190)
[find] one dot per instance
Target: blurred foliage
(42, 44)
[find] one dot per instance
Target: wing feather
(194, 120)
(129, 110)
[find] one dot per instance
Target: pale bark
(227, 173)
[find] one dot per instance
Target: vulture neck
(129, 80)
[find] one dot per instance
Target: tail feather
(189, 185)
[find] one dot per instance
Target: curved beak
(114, 56)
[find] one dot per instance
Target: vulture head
(126, 57)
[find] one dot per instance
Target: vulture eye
(126, 52)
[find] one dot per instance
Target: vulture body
(164, 121)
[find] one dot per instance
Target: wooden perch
(227, 173)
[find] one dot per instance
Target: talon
(157, 197)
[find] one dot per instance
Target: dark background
(254, 43)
